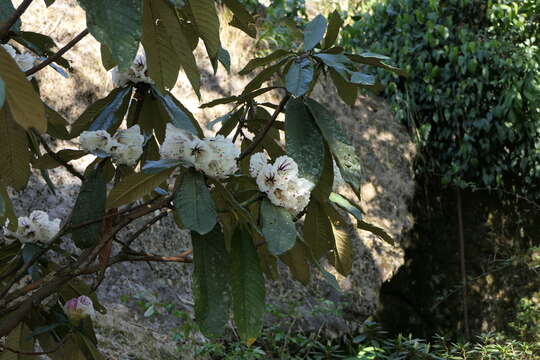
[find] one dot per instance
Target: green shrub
(472, 98)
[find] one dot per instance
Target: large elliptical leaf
(162, 60)
(112, 114)
(118, 25)
(303, 140)
(93, 111)
(135, 187)
(6, 10)
(299, 76)
(211, 289)
(25, 104)
(178, 114)
(342, 256)
(318, 229)
(344, 153)
(334, 24)
(247, 283)
(180, 44)
(194, 204)
(20, 339)
(257, 62)
(314, 32)
(90, 205)
(242, 18)
(207, 22)
(278, 228)
(14, 152)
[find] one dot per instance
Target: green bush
(472, 98)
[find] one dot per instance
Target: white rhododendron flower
(137, 73)
(256, 163)
(280, 181)
(215, 156)
(126, 147)
(24, 61)
(35, 228)
(79, 308)
(94, 140)
(175, 144)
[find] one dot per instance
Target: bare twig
(58, 54)
(57, 158)
(145, 227)
(260, 137)
(4, 30)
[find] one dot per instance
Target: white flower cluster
(280, 181)
(25, 61)
(215, 156)
(137, 73)
(34, 228)
(126, 147)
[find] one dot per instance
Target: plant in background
(152, 160)
(472, 97)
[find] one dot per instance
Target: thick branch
(4, 30)
(260, 137)
(58, 54)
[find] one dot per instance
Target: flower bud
(79, 308)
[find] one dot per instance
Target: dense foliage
(240, 193)
(472, 97)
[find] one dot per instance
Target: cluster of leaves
(472, 95)
(237, 233)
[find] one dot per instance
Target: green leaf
(318, 229)
(14, 152)
(56, 124)
(40, 44)
(19, 338)
(346, 91)
(117, 25)
(242, 18)
(87, 117)
(257, 62)
(324, 186)
(2, 92)
(247, 283)
(346, 205)
(181, 45)
(334, 24)
(220, 101)
(314, 32)
(178, 114)
(362, 79)
(25, 104)
(342, 256)
(152, 167)
(194, 204)
(207, 22)
(6, 10)
(263, 76)
(134, 187)
(278, 228)
(383, 235)
(106, 58)
(337, 61)
(8, 210)
(48, 162)
(211, 290)
(225, 59)
(112, 114)
(163, 64)
(298, 262)
(344, 153)
(377, 60)
(90, 205)
(299, 76)
(304, 140)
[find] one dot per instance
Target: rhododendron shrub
(248, 198)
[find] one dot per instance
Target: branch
(57, 158)
(259, 138)
(58, 54)
(4, 30)
(145, 227)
